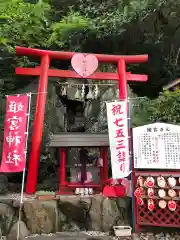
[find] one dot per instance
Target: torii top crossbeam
(44, 71)
(22, 51)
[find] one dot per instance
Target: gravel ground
(100, 235)
(90, 235)
(157, 236)
(17, 196)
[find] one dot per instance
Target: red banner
(15, 135)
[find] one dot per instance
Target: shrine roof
(80, 140)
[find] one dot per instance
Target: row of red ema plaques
(161, 188)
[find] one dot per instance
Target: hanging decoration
(171, 182)
(149, 182)
(157, 161)
(64, 90)
(171, 193)
(140, 201)
(83, 91)
(161, 182)
(96, 91)
(90, 94)
(172, 205)
(150, 192)
(77, 94)
(151, 205)
(119, 143)
(117, 93)
(84, 65)
(15, 134)
(162, 204)
(161, 193)
(140, 181)
(157, 193)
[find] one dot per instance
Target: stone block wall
(67, 213)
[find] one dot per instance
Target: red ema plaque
(84, 65)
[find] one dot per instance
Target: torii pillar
(44, 71)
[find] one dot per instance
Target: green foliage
(141, 111)
(112, 17)
(166, 108)
(27, 24)
(72, 27)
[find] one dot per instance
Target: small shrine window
(83, 165)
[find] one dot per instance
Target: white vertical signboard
(118, 138)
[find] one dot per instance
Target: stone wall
(66, 213)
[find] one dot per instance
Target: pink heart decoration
(84, 65)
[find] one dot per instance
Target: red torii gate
(44, 72)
